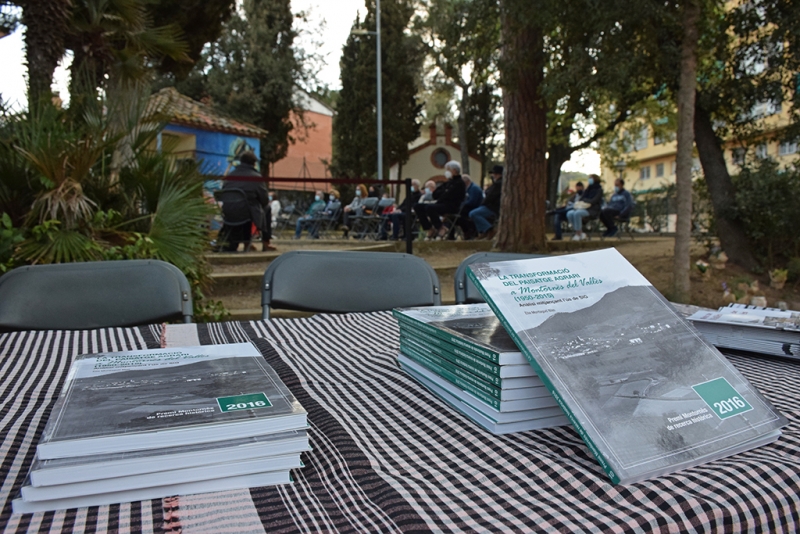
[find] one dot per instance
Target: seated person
(472, 200)
(398, 216)
(356, 207)
(309, 217)
(619, 206)
(426, 196)
(560, 214)
(448, 197)
(257, 208)
(490, 208)
(330, 210)
(275, 206)
(588, 206)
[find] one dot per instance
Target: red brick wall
(313, 146)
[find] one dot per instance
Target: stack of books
(149, 424)
(464, 356)
(761, 330)
(646, 393)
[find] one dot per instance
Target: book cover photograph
(152, 391)
(644, 390)
(473, 323)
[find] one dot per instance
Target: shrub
(768, 204)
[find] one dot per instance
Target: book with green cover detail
(471, 326)
(148, 399)
(645, 392)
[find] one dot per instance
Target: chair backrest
(78, 296)
(370, 203)
(345, 281)
(466, 292)
(334, 209)
(235, 208)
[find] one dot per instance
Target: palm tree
(46, 24)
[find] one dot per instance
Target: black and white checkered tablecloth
(389, 456)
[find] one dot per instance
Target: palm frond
(52, 244)
(178, 228)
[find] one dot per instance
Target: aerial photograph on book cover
(626, 364)
(177, 387)
(475, 322)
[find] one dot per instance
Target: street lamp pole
(377, 34)
(380, 91)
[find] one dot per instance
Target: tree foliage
(63, 204)
(354, 125)
(462, 38)
(200, 21)
(251, 73)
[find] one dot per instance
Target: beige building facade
(428, 155)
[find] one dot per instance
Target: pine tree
(250, 73)
(354, 126)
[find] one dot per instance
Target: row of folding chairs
(87, 295)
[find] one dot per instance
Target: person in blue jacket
(472, 200)
(619, 206)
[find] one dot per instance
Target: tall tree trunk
(46, 24)
(522, 205)
(462, 129)
(731, 234)
(681, 284)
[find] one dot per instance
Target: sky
(329, 25)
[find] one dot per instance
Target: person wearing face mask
(490, 208)
(308, 218)
(619, 206)
(356, 207)
(427, 193)
(448, 197)
(588, 206)
(257, 208)
(397, 217)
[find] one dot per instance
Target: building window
(674, 168)
(657, 140)
(644, 173)
(640, 143)
(440, 157)
(761, 151)
(788, 147)
(659, 170)
(737, 156)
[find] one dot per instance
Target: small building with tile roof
(197, 131)
(428, 154)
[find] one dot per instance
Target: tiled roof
(181, 109)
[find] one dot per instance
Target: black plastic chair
(325, 222)
(235, 209)
(466, 292)
(359, 224)
(344, 281)
(79, 296)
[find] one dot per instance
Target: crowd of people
(439, 208)
(589, 203)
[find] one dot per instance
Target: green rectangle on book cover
(243, 402)
(722, 398)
